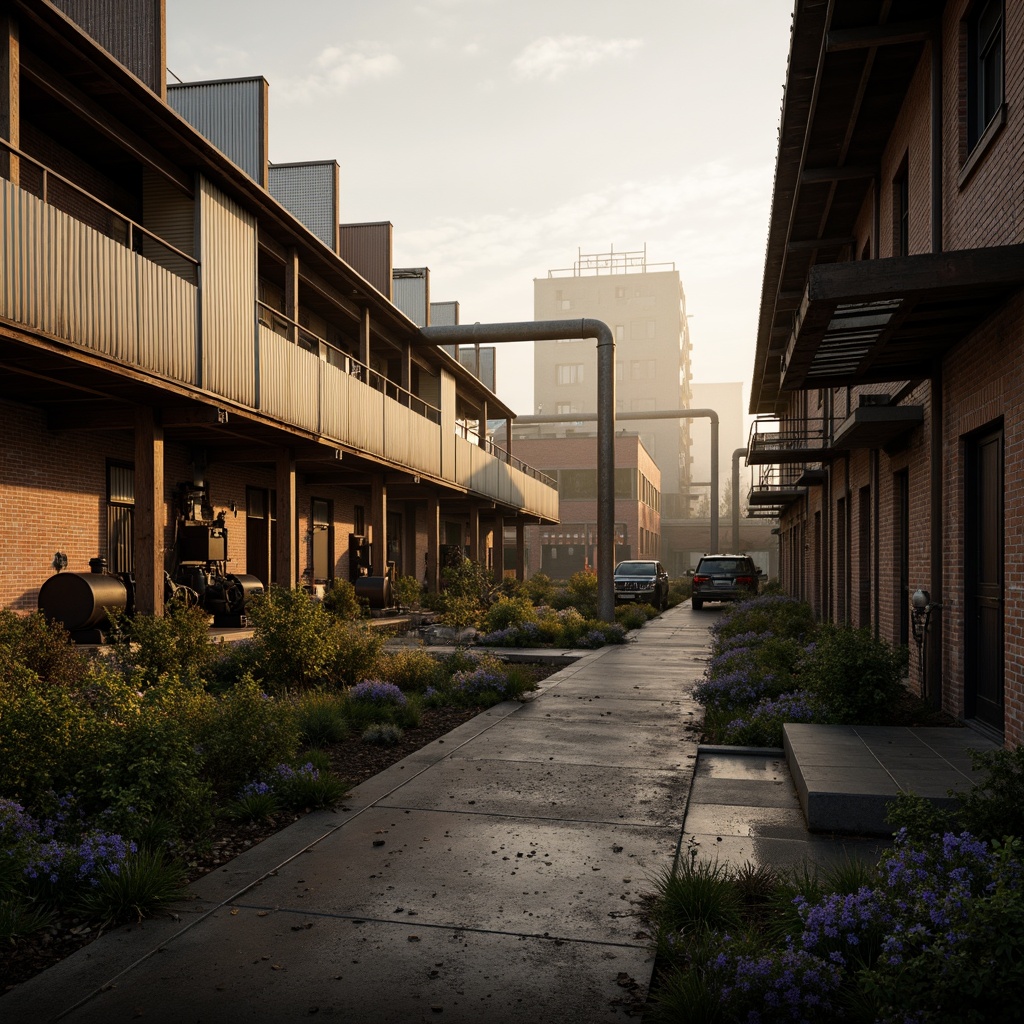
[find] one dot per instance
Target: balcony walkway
(497, 874)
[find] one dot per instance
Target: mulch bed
(352, 760)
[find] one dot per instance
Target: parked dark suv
(642, 580)
(724, 578)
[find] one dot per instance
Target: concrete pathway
(494, 875)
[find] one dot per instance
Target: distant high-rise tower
(645, 306)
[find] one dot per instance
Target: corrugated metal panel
(68, 280)
(172, 216)
(411, 292)
(130, 30)
(445, 314)
(64, 278)
(310, 192)
(366, 418)
(167, 322)
(231, 115)
(334, 402)
(289, 381)
(228, 267)
(448, 436)
(366, 248)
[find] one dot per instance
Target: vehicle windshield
(723, 565)
(635, 569)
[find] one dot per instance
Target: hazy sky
(500, 137)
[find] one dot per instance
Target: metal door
(983, 565)
(320, 515)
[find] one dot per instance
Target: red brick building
(890, 345)
(190, 342)
(570, 545)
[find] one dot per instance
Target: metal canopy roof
(870, 321)
(850, 65)
(876, 426)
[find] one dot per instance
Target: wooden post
(10, 97)
(499, 547)
(474, 533)
(291, 294)
(287, 560)
(432, 576)
(379, 526)
(149, 513)
(520, 548)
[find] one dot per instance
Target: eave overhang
(871, 321)
(876, 427)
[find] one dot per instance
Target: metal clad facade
(231, 115)
(66, 279)
(411, 293)
(366, 248)
(448, 436)
(289, 381)
(310, 192)
(334, 402)
(130, 30)
(445, 314)
(227, 248)
(166, 322)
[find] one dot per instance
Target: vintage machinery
(80, 601)
(200, 573)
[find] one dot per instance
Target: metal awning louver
(871, 321)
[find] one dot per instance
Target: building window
(120, 516)
(570, 373)
(901, 211)
(984, 67)
(643, 369)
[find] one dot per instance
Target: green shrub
(580, 593)
(382, 734)
(246, 735)
(341, 601)
(459, 612)
(539, 588)
(508, 611)
(29, 643)
(469, 581)
(412, 669)
(298, 644)
(633, 615)
(307, 787)
(357, 653)
(773, 613)
(855, 676)
(994, 808)
(176, 644)
(407, 591)
(320, 717)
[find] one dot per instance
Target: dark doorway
(260, 533)
(323, 540)
(983, 566)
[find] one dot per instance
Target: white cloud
(551, 57)
(339, 69)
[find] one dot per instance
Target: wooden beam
(287, 561)
(805, 244)
(814, 175)
(839, 40)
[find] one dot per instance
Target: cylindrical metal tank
(375, 590)
(80, 600)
